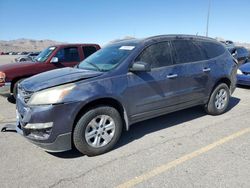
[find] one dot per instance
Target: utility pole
(208, 15)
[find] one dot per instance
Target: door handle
(170, 76)
(206, 70)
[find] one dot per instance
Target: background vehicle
(243, 74)
(29, 57)
(242, 54)
(121, 84)
(33, 55)
(53, 57)
(228, 44)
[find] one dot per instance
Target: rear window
(187, 51)
(242, 50)
(212, 49)
(88, 50)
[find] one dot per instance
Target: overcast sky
(101, 21)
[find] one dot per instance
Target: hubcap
(221, 99)
(100, 131)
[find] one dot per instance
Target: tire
(15, 88)
(93, 123)
(219, 100)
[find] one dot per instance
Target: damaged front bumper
(47, 126)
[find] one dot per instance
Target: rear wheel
(97, 131)
(219, 100)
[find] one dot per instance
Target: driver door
(151, 93)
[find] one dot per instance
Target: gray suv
(88, 106)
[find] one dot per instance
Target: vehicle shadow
(9, 98)
(243, 87)
(141, 129)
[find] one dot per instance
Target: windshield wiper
(94, 65)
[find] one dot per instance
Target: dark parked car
(228, 43)
(243, 74)
(53, 57)
(242, 54)
(126, 82)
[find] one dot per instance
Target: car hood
(245, 67)
(12, 66)
(57, 77)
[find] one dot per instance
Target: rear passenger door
(192, 72)
(214, 67)
(67, 57)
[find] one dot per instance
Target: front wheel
(97, 131)
(219, 100)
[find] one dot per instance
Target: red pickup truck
(53, 57)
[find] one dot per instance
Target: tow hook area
(9, 128)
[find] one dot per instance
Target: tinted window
(88, 50)
(242, 50)
(239, 50)
(158, 55)
(68, 54)
(212, 49)
(188, 51)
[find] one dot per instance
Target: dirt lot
(5, 59)
(182, 149)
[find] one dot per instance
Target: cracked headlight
(52, 95)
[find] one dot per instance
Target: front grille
(24, 95)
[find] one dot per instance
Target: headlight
(2, 77)
(239, 72)
(51, 96)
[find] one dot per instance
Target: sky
(101, 21)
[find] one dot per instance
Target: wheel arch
(221, 80)
(107, 101)
(225, 80)
(16, 80)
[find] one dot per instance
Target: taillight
(2, 77)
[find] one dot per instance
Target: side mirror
(140, 67)
(54, 60)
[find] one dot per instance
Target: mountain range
(27, 45)
(20, 45)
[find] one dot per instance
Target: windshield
(107, 58)
(44, 55)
